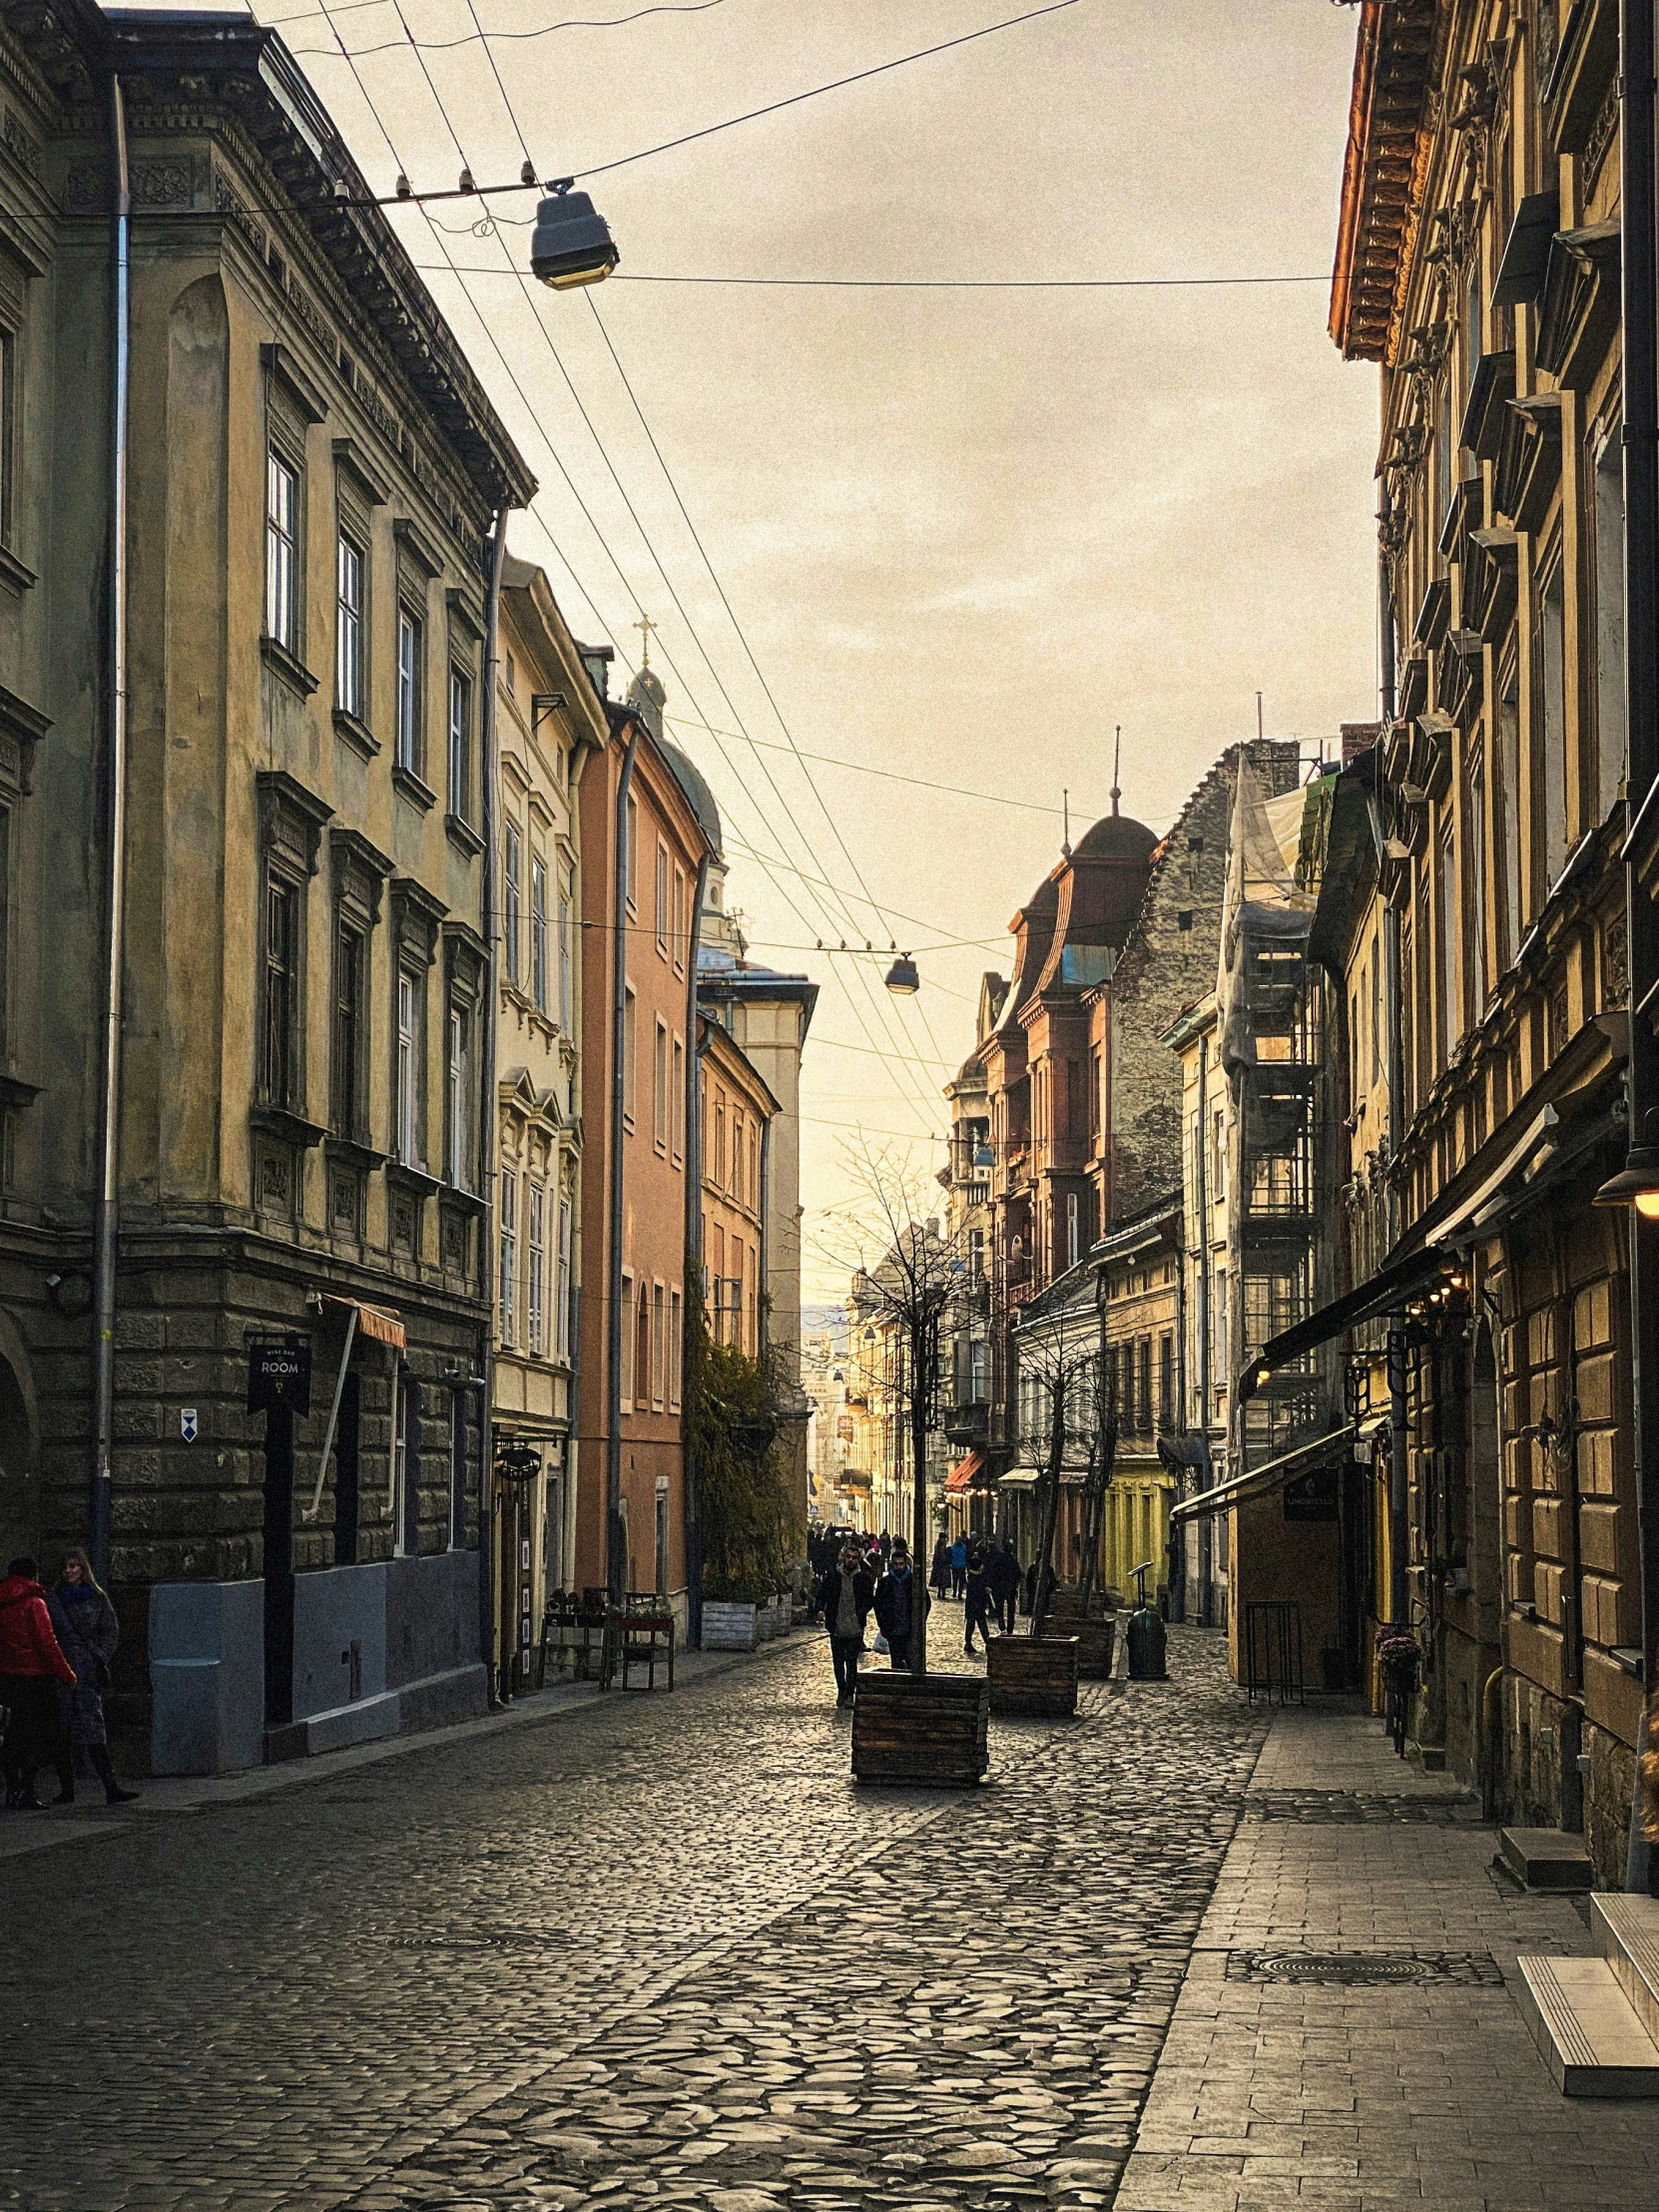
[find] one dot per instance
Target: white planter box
(728, 1627)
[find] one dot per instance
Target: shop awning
(1018, 1478)
(855, 1479)
(961, 1475)
(1264, 1481)
(1390, 1288)
(373, 1321)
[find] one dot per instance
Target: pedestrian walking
(87, 1630)
(938, 1575)
(977, 1587)
(896, 1600)
(32, 1665)
(959, 1566)
(1004, 1582)
(844, 1599)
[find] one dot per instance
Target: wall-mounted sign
(187, 1425)
(279, 1374)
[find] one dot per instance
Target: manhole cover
(1365, 1969)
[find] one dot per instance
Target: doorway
(19, 1474)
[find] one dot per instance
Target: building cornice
(1384, 174)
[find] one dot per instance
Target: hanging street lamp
(903, 979)
(572, 243)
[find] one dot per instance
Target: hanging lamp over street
(572, 243)
(903, 979)
(1637, 1183)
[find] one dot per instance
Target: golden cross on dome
(644, 626)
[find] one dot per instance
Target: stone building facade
(315, 475)
(1487, 292)
(550, 721)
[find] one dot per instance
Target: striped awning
(961, 1475)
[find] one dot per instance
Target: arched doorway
(20, 1522)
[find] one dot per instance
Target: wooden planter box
(1066, 1609)
(1096, 1643)
(728, 1627)
(1032, 1675)
(934, 1731)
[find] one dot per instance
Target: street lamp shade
(903, 979)
(572, 243)
(1637, 1184)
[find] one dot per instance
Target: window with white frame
(349, 627)
(567, 955)
(663, 916)
(632, 855)
(626, 1379)
(561, 1308)
(538, 931)
(461, 745)
(676, 1347)
(512, 862)
(658, 1342)
(459, 1099)
(630, 1024)
(536, 1239)
(507, 1243)
(407, 1071)
(680, 931)
(281, 551)
(659, 1088)
(677, 1099)
(411, 635)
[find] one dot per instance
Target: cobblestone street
(658, 1950)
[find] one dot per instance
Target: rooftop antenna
(644, 625)
(1258, 718)
(1065, 812)
(1117, 756)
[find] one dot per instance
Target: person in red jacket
(32, 1665)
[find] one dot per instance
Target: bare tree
(912, 1274)
(1068, 1406)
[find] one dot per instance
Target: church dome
(690, 780)
(1115, 837)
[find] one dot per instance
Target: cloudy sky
(965, 532)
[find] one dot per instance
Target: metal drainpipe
(1400, 1596)
(1205, 1527)
(108, 1220)
(490, 798)
(693, 1263)
(614, 1562)
(1641, 611)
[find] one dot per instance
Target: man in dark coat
(979, 1610)
(895, 1599)
(1004, 1581)
(844, 1598)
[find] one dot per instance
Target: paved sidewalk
(1422, 2090)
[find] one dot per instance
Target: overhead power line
(878, 1000)
(901, 283)
(707, 130)
(444, 45)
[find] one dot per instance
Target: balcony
(967, 1423)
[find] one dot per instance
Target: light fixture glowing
(572, 243)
